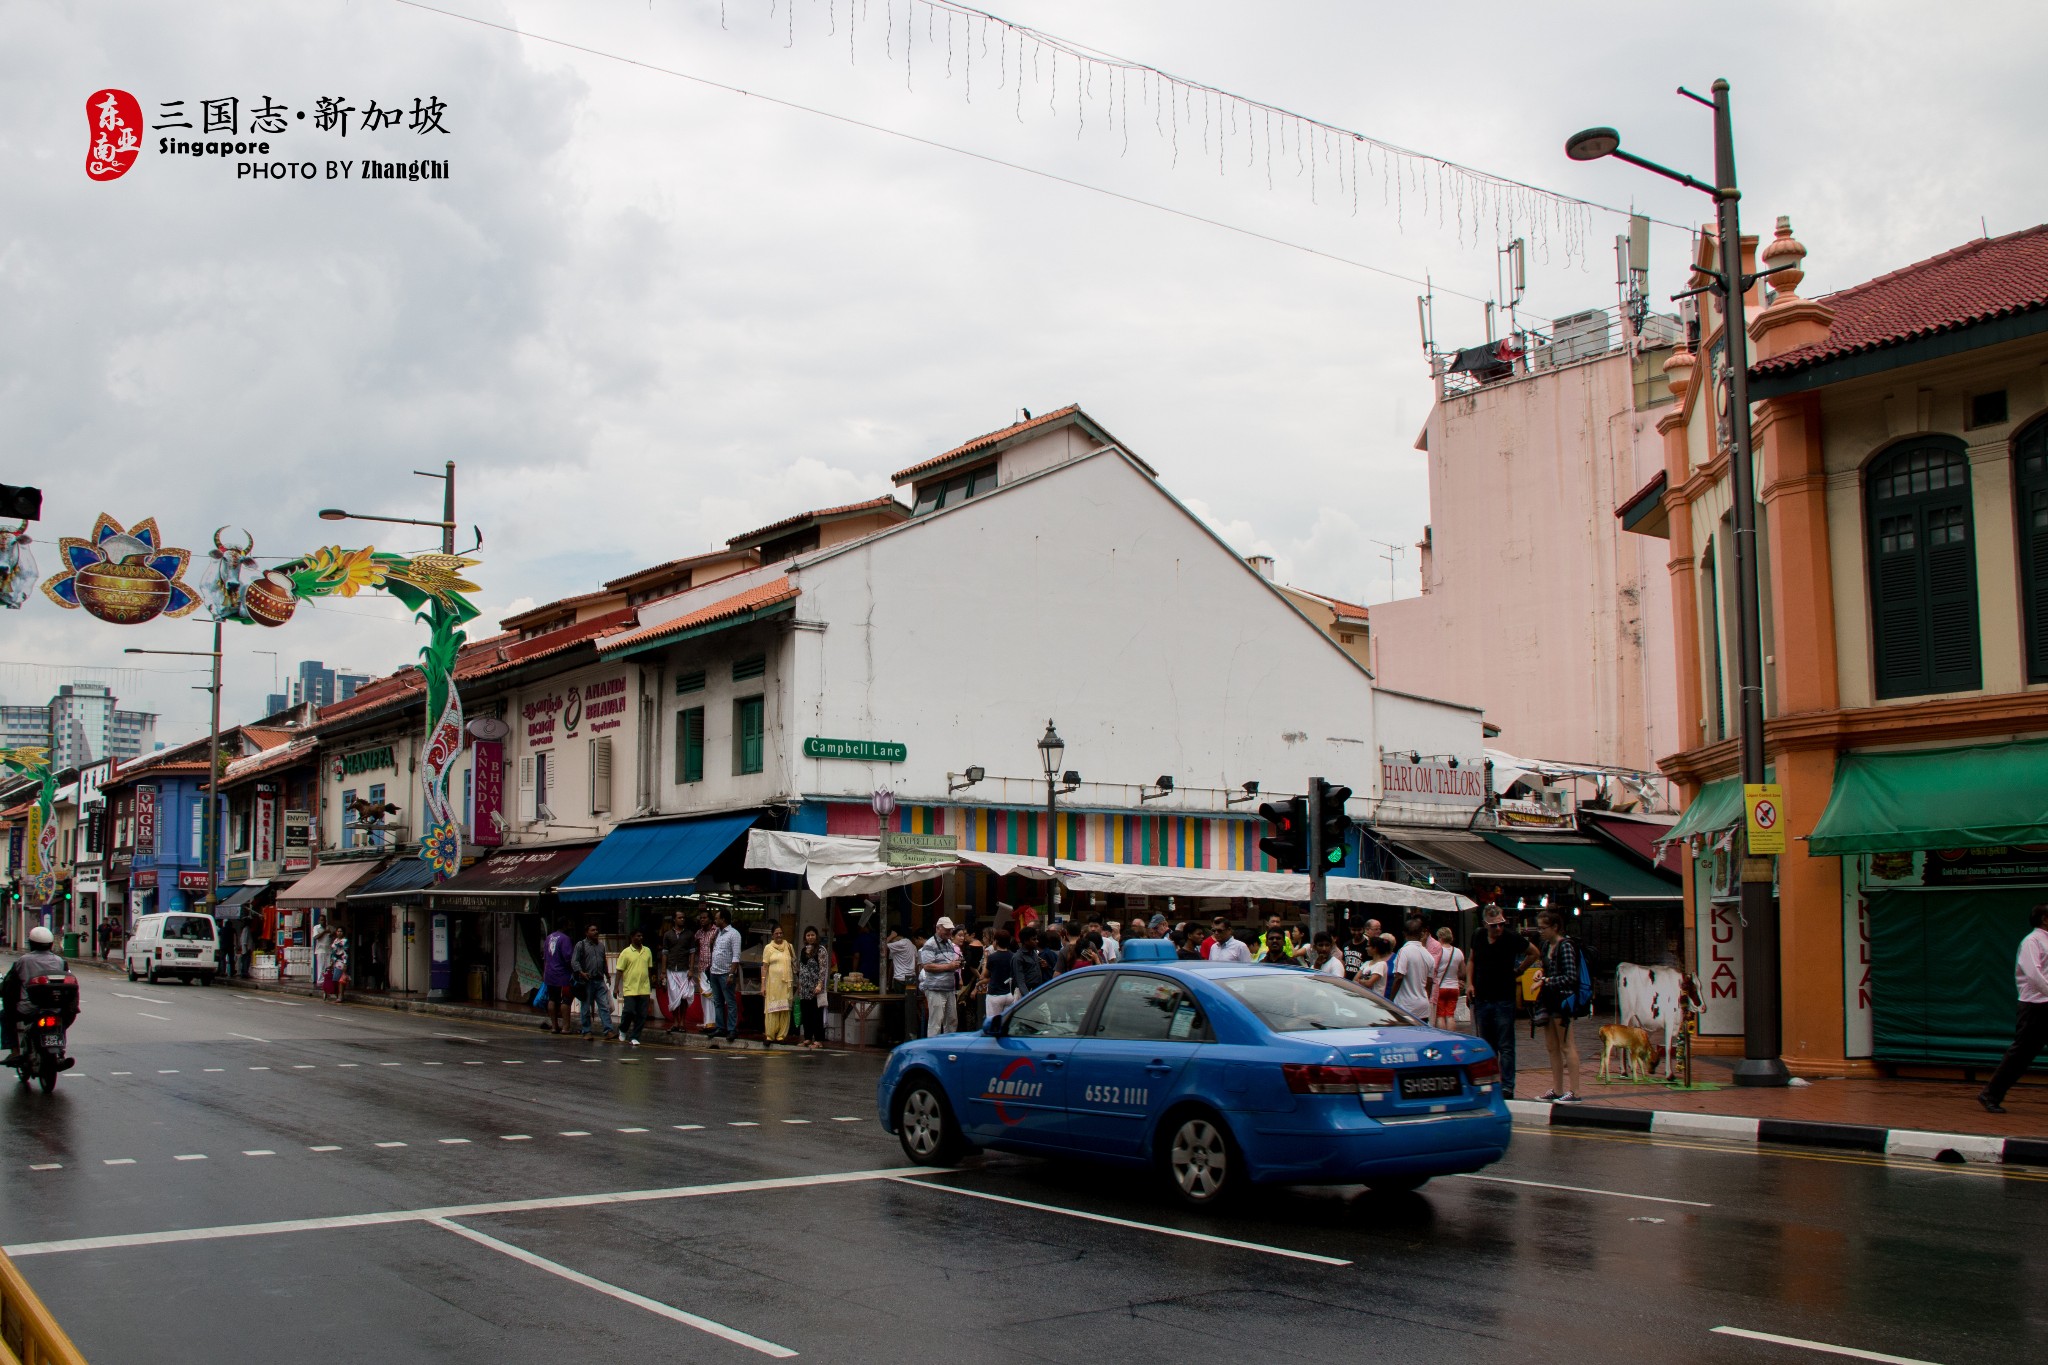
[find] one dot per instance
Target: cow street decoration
(123, 577)
(17, 566)
(39, 873)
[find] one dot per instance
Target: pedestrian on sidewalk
(1324, 957)
(1450, 979)
(337, 969)
(1027, 963)
(323, 947)
(999, 975)
(813, 979)
(700, 968)
(590, 969)
(1497, 959)
(1553, 1013)
(724, 971)
(636, 987)
(1410, 975)
(2031, 1033)
(940, 961)
(1224, 945)
(1372, 973)
(557, 977)
(678, 952)
(778, 984)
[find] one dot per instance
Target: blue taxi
(1219, 1076)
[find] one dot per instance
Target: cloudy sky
(646, 313)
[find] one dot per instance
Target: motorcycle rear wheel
(47, 1077)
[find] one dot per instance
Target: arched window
(1923, 569)
(2030, 488)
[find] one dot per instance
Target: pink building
(1535, 605)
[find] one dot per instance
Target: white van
(183, 944)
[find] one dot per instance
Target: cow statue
(1654, 999)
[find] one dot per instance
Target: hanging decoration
(122, 577)
(17, 566)
(944, 41)
(223, 591)
(39, 848)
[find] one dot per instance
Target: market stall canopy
(406, 877)
(1718, 807)
(1597, 868)
(510, 877)
(848, 867)
(1466, 853)
(654, 859)
(1647, 837)
(325, 885)
(1936, 798)
(244, 895)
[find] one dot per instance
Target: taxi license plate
(188, 952)
(1417, 1085)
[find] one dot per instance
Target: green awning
(1936, 798)
(1717, 807)
(1594, 866)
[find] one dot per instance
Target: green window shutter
(752, 667)
(693, 681)
(1923, 570)
(749, 716)
(690, 745)
(2030, 460)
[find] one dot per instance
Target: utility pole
(209, 821)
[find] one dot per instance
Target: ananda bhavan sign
(265, 139)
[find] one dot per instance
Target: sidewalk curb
(1957, 1148)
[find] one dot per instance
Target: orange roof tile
(822, 514)
(990, 439)
(627, 582)
(757, 598)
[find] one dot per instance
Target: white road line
(160, 1018)
(119, 1161)
(573, 1132)
(1581, 1189)
(455, 1142)
(266, 1000)
(387, 1144)
(743, 1123)
(216, 1068)
(327, 1147)
(346, 1065)
(422, 1063)
(250, 1036)
(47, 1166)
(163, 1072)
(515, 1137)
(796, 1120)
(302, 1066)
(655, 1306)
(260, 1151)
(552, 1061)
(402, 1064)
(1803, 1344)
(459, 1037)
(632, 1130)
(195, 1156)
(145, 999)
(1261, 1247)
(509, 1062)
(688, 1127)
(472, 1063)
(120, 1073)
(593, 1061)
(178, 1236)
(846, 1118)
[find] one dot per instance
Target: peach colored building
(1901, 452)
(1535, 606)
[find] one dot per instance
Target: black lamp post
(1762, 1027)
(1051, 749)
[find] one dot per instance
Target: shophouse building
(1902, 470)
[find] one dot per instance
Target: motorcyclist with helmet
(40, 960)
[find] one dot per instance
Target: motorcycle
(51, 1007)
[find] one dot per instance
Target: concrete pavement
(267, 1175)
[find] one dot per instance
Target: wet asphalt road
(211, 1109)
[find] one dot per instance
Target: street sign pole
(1318, 910)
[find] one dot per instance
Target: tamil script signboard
(859, 750)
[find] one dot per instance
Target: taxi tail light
(1337, 1080)
(1484, 1073)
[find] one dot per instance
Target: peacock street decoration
(129, 576)
(39, 848)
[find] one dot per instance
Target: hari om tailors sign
(1448, 784)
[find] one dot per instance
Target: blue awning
(660, 858)
(406, 877)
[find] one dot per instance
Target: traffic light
(1287, 845)
(1332, 842)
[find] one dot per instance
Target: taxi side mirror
(993, 1027)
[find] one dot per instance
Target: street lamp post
(446, 523)
(1051, 749)
(1762, 1062)
(210, 824)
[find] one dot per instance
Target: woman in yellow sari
(778, 984)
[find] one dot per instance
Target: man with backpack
(1567, 992)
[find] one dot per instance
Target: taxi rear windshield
(1298, 1002)
(197, 927)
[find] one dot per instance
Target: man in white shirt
(725, 976)
(1112, 946)
(940, 980)
(1229, 948)
(2031, 1035)
(1410, 972)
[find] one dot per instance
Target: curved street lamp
(1051, 750)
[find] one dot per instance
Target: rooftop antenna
(1425, 316)
(1511, 275)
(1632, 272)
(1389, 552)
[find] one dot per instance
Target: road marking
(509, 1062)
(346, 1065)
(846, 1118)
(250, 1036)
(162, 1072)
(573, 1132)
(459, 1037)
(632, 1130)
(796, 1120)
(472, 1063)
(1288, 1252)
(1803, 1344)
(688, 1127)
(178, 1236)
(120, 1073)
(47, 1166)
(552, 1061)
(422, 1064)
(119, 1161)
(593, 1061)
(216, 1068)
(146, 999)
(260, 1151)
(259, 1068)
(743, 1123)
(327, 1148)
(160, 1018)
(655, 1306)
(515, 1137)
(195, 1156)
(1795, 1154)
(454, 1142)
(302, 1066)
(387, 1144)
(1581, 1189)
(266, 1000)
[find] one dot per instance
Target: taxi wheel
(1201, 1160)
(925, 1126)
(1397, 1184)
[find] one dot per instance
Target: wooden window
(600, 775)
(692, 681)
(690, 745)
(751, 667)
(1923, 569)
(749, 716)
(2030, 488)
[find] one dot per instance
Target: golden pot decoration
(123, 594)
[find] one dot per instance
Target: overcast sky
(645, 314)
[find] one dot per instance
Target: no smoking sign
(1765, 803)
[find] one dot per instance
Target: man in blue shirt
(724, 973)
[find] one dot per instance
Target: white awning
(837, 866)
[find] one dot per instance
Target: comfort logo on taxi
(1008, 1086)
